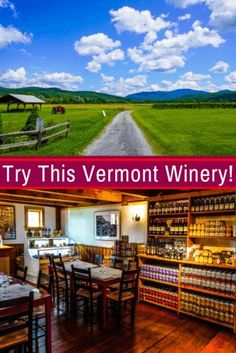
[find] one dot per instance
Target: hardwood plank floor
(156, 330)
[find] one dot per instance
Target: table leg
(104, 305)
(48, 307)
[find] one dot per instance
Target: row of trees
(194, 105)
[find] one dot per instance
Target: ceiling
(78, 198)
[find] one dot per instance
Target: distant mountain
(226, 96)
(163, 95)
(59, 96)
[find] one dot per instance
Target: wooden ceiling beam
(41, 195)
(93, 194)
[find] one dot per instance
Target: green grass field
(87, 123)
(189, 132)
(192, 132)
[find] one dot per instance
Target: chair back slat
(20, 316)
(129, 282)
(82, 278)
(45, 282)
(21, 272)
(122, 264)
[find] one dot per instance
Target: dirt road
(121, 138)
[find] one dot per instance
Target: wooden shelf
(154, 257)
(206, 319)
(212, 213)
(45, 238)
(223, 238)
(170, 215)
(205, 291)
(168, 236)
(187, 262)
(159, 281)
(158, 304)
(223, 266)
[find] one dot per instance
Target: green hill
(58, 96)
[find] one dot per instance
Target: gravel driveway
(121, 138)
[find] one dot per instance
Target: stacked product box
(162, 296)
(161, 273)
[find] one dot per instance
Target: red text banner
(117, 172)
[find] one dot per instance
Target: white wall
(50, 221)
(79, 223)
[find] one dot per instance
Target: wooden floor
(156, 330)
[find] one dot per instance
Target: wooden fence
(38, 134)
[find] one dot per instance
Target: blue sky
(118, 47)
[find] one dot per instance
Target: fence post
(68, 127)
(39, 137)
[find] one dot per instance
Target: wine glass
(5, 284)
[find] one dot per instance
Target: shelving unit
(222, 221)
(37, 250)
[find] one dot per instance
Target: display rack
(210, 299)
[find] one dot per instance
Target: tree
(31, 121)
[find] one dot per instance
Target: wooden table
(41, 298)
(103, 276)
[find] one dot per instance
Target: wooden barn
(21, 99)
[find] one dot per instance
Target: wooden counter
(7, 259)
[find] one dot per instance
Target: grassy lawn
(189, 132)
(86, 124)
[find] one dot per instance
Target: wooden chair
(120, 264)
(44, 282)
(21, 272)
(62, 285)
(126, 294)
(97, 259)
(85, 291)
(16, 327)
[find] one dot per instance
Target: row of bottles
(215, 203)
(158, 208)
(208, 307)
(211, 228)
(43, 233)
(175, 249)
(175, 228)
(164, 296)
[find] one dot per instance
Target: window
(34, 217)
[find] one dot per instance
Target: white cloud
(62, 80)
(231, 78)
(107, 79)
(190, 76)
(10, 35)
(124, 86)
(184, 3)
(132, 20)
(102, 49)
(185, 17)
(95, 44)
(18, 78)
(220, 67)
(200, 82)
(223, 12)
(13, 78)
(168, 54)
(105, 58)
(8, 4)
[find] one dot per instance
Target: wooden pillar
(24, 107)
(8, 107)
(58, 218)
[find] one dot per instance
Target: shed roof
(21, 98)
